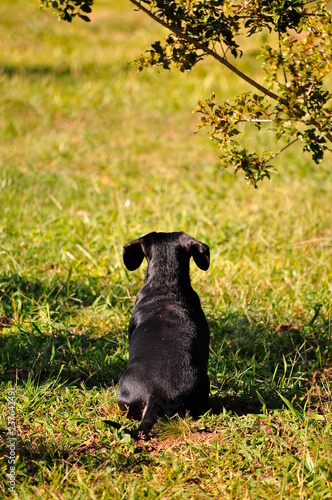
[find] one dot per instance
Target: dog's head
(177, 248)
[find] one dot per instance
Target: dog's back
(168, 332)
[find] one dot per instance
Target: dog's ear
(198, 250)
(133, 254)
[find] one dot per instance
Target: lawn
(94, 155)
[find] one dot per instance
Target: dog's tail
(150, 416)
(119, 427)
(113, 424)
(133, 433)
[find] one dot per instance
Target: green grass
(94, 155)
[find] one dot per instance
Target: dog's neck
(163, 276)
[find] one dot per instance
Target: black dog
(168, 333)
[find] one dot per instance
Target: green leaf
(293, 410)
(85, 18)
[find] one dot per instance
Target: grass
(92, 156)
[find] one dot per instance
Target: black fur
(168, 332)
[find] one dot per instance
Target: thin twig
(283, 149)
(267, 17)
(248, 120)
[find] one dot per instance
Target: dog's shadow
(255, 366)
(237, 405)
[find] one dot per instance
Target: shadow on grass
(64, 293)
(254, 364)
(81, 355)
(71, 358)
(251, 362)
(12, 70)
(42, 453)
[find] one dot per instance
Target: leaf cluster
(195, 25)
(298, 68)
(215, 24)
(67, 10)
(279, 16)
(224, 121)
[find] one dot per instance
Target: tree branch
(222, 60)
(210, 52)
(283, 149)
